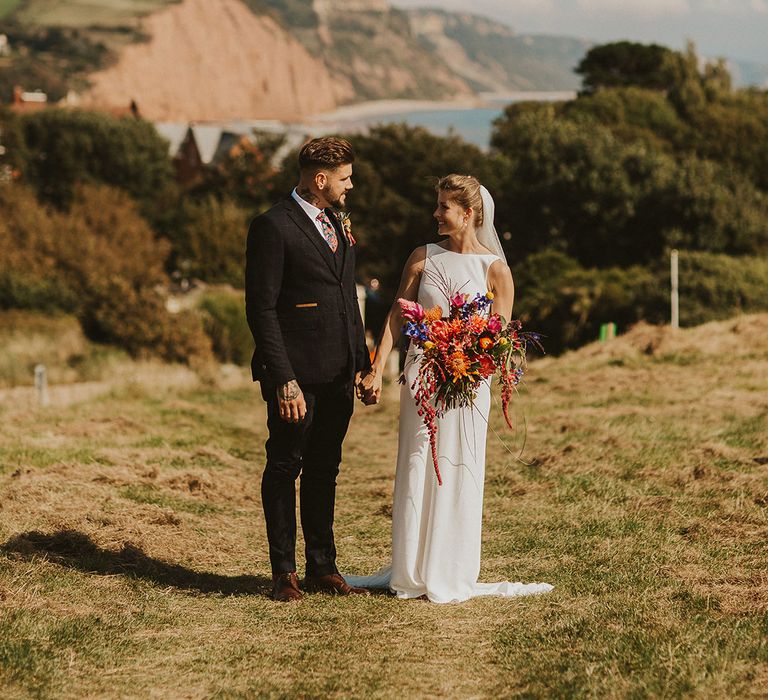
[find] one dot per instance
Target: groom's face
(337, 183)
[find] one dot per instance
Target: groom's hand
(359, 385)
(290, 399)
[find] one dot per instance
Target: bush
(68, 148)
(101, 262)
(211, 244)
(568, 303)
(718, 286)
(226, 325)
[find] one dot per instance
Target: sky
(736, 29)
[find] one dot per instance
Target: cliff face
(491, 56)
(216, 61)
(286, 59)
(371, 45)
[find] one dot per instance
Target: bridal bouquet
(460, 351)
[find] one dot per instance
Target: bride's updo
(465, 191)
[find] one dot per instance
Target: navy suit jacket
(301, 300)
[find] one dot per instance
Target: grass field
(84, 13)
(133, 557)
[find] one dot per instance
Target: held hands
(369, 388)
(291, 402)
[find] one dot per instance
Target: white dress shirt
(311, 210)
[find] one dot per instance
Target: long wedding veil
(486, 234)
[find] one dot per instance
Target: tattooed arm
(263, 278)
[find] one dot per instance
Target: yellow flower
(503, 341)
(489, 295)
(429, 345)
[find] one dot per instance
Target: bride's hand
(371, 387)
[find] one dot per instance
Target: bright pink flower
(411, 310)
(458, 300)
(494, 324)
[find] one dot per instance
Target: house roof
(207, 137)
(173, 133)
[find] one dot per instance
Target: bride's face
(450, 215)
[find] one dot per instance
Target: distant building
(28, 101)
(195, 147)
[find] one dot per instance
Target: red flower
(487, 366)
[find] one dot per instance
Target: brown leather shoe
(285, 587)
(334, 584)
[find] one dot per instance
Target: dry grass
(133, 558)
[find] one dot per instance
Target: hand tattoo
(289, 391)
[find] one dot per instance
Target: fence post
(41, 384)
(674, 291)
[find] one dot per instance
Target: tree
(211, 241)
(68, 148)
(575, 187)
(625, 63)
(633, 114)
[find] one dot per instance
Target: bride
(436, 530)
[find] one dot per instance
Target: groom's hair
(326, 153)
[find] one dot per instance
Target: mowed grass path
(133, 556)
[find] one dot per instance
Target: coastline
(382, 108)
(376, 108)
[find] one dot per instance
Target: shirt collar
(312, 211)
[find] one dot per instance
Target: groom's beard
(339, 202)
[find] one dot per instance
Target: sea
(473, 124)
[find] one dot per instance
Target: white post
(674, 295)
(41, 384)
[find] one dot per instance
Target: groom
(301, 304)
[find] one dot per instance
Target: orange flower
(441, 331)
(475, 325)
(431, 315)
(457, 365)
(485, 343)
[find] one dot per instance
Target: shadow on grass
(77, 550)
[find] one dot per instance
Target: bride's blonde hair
(465, 191)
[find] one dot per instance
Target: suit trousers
(310, 449)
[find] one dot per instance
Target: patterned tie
(329, 233)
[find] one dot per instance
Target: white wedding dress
(436, 530)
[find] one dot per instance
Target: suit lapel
(308, 228)
(343, 242)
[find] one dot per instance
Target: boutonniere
(346, 225)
